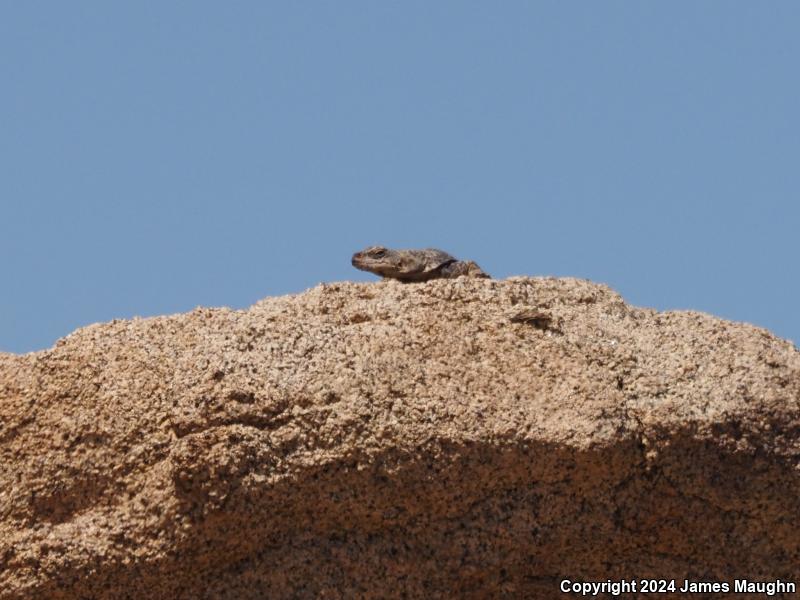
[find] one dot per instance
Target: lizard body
(414, 265)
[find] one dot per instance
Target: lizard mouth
(357, 261)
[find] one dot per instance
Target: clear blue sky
(156, 156)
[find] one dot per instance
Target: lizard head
(376, 259)
(404, 265)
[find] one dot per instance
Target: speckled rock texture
(392, 440)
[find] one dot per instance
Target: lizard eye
(379, 253)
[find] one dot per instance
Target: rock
(388, 440)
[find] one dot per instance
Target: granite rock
(457, 438)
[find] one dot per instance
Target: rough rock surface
(387, 440)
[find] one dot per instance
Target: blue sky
(157, 156)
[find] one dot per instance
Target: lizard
(414, 265)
